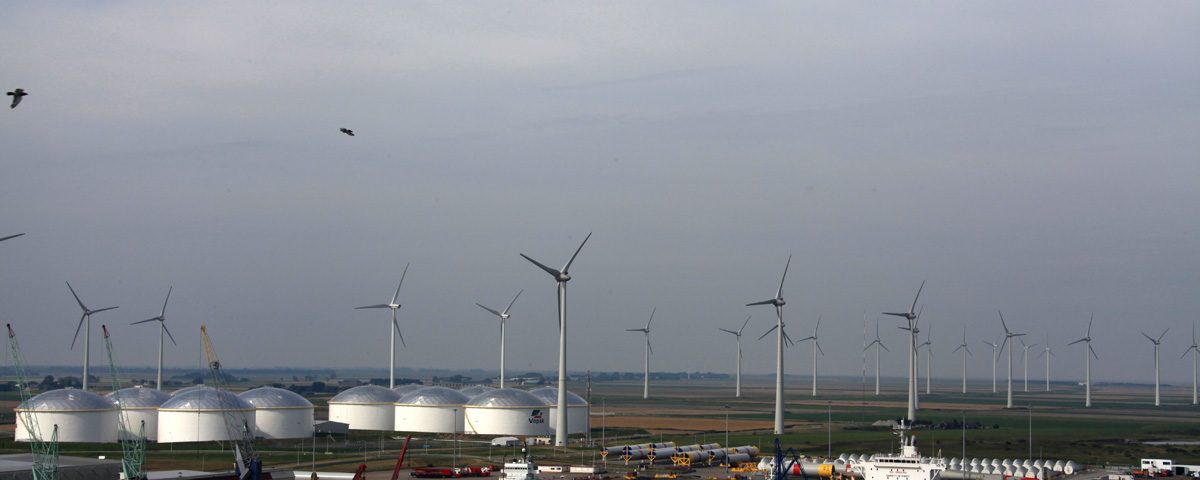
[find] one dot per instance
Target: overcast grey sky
(1037, 157)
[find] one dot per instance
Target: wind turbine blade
(402, 275)
(960, 347)
(554, 273)
(381, 305)
(146, 320)
(514, 300)
(818, 327)
(77, 300)
(1148, 337)
(1002, 345)
(655, 309)
(877, 329)
(779, 293)
(11, 237)
(788, 339)
(488, 309)
(739, 332)
(172, 337)
(1002, 324)
(884, 346)
(635, 330)
(728, 331)
(914, 304)
(764, 302)
(1090, 349)
(104, 309)
(818, 344)
(1160, 337)
(772, 329)
(1185, 352)
(1077, 341)
(905, 315)
(1093, 317)
(77, 327)
(567, 267)
(649, 347)
(397, 325)
(163, 312)
(968, 350)
(869, 345)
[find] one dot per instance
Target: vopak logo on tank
(536, 417)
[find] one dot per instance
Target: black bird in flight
(347, 131)
(17, 94)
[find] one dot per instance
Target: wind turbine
(911, 316)
(392, 334)
(1008, 335)
(1087, 362)
(561, 277)
(816, 348)
(649, 350)
(1156, 343)
(880, 343)
(780, 336)
(1195, 349)
(928, 358)
(1047, 352)
(966, 351)
(162, 328)
(738, 334)
(995, 358)
(1025, 360)
(87, 334)
(503, 318)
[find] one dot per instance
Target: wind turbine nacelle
(563, 277)
(779, 302)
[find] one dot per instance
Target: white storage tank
(577, 409)
(279, 413)
(189, 389)
(140, 404)
(430, 410)
(507, 411)
(474, 390)
(198, 415)
(366, 407)
(81, 416)
(401, 390)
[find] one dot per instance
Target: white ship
(905, 465)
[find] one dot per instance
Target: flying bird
(17, 94)
(346, 131)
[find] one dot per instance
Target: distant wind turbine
(880, 344)
(503, 319)
(561, 277)
(1047, 352)
(928, 359)
(816, 349)
(649, 350)
(737, 392)
(1008, 335)
(162, 328)
(1025, 360)
(87, 334)
(911, 315)
(966, 351)
(392, 334)
(1156, 342)
(1088, 353)
(995, 357)
(1195, 350)
(780, 336)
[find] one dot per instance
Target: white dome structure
(366, 407)
(81, 416)
(474, 390)
(507, 411)
(279, 413)
(199, 386)
(140, 405)
(403, 389)
(577, 409)
(431, 410)
(198, 415)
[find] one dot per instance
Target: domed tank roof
(433, 396)
(549, 395)
(206, 398)
(66, 400)
(474, 390)
(365, 395)
(188, 389)
(271, 397)
(403, 389)
(506, 398)
(139, 397)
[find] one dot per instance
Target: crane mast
(45, 452)
(248, 465)
(133, 445)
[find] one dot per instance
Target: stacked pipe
(644, 448)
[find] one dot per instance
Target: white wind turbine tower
(1047, 352)
(780, 336)
(561, 277)
(1088, 353)
(1156, 343)
(649, 350)
(738, 334)
(503, 319)
(995, 357)
(880, 343)
(392, 334)
(928, 358)
(816, 349)
(1195, 350)
(162, 328)
(1007, 336)
(911, 315)
(1025, 360)
(87, 334)
(966, 351)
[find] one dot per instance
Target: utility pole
(727, 425)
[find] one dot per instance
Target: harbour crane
(45, 452)
(248, 465)
(133, 445)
